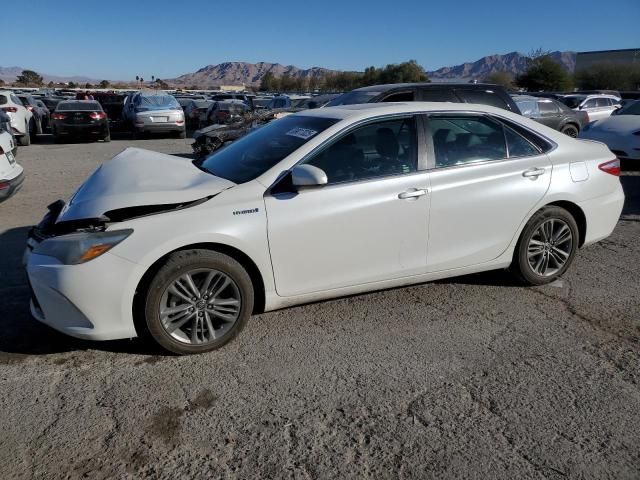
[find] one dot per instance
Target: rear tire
(570, 130)
(107, 139)
(182, 134)
(547, 246)
(198, 265)
(25, 140)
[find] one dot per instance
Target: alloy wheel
(200, 306)
(550, 247)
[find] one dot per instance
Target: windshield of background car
(353, 98)
(156, 102)
(77, 106)
(255, 153)
(572, 102)
(631, 109)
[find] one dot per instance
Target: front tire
(198, 301)
(547, 246)
(25, 140)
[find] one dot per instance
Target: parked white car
(319, 204)
(21, 118)
(620, 132)
(11, 173)
(597, 106)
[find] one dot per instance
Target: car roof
(394, 86)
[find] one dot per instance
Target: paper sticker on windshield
(303, 133)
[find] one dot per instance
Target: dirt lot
(472, 377)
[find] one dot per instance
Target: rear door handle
(412, 193)
(533, 173)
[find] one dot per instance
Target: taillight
(611, 167)
(97, 115)
(10, 109)
(58, 116)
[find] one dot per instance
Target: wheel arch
(577, 213)
(247, 263)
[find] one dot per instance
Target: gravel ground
(472, 377)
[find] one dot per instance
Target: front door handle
(412, 193)
(533, 173)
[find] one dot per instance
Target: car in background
(245, 98)
(11, 174)
(80, 119)
(195, 113)
(319, 204)
(287, 101)
(112, 104)
(50, 101)
(597, 106)
(21, 119)
(5, 122)
(477, 93)
(152, 112)
(317, 101)
(620, 132)
(261, 101)
(40, 115)
(552, 113)
(226, 111)
(46, 113)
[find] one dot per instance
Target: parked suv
(40, 115)
(21, 118)
(482, 93)
(552, 113)
(597, 106)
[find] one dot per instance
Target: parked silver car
(597, 106)
(154, 112)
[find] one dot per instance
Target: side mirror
(308, 176)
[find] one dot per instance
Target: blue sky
(119, 40)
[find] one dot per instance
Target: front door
(369, 223)
(485, 181)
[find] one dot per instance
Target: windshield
(631, 109)
(572, 102)
(254, 154)
(353, 98)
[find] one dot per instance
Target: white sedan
(319, 204)
(620, 132)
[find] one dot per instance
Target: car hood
(138, 178)
(622, 124)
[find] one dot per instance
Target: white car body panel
(617, 132)
(21, 118)
(11, 173)
(326, 241)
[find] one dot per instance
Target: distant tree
(71, 85)
(137, 78)
(88, 85)
(104, 84)
(50, 84)
(545, 74)
(1, 82)
(500, 78)
(403, 72)
(161, 84)
(29, 78)
(608, 76)
(269, 83)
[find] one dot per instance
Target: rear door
(485, 179)
(549, 114)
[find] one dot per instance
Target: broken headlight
(80, 247)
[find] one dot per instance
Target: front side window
(603, 102)
(591, 103)
(255, 153)
(374, 150)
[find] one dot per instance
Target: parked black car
(552, 113)
(80, 118)
(482, 93)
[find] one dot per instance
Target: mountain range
(250, 74)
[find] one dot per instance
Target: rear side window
(603, 102)
(518, 146)
(464, 139)
(547, 108)
(400, 97)
(591, 103)
(483, 97)
(3, 100)
(528, 108)
(437, 95)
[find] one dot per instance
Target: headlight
(81, 247)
